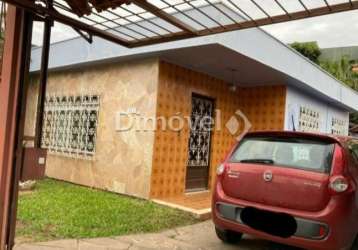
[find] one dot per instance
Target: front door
(197, 176)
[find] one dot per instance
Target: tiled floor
(196, 201)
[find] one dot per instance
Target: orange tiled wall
(264, 106)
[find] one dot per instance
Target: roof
(335, 54)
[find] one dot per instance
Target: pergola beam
(164, 15)
(261, 22)
(315, 12)
(56, 16)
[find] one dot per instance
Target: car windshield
(306, 154)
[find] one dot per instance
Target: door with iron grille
(197, 176)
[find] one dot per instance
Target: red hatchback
(293, 188)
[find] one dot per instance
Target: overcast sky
(330, 31)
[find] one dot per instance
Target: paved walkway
(200, 236)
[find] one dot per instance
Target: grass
(59, 210)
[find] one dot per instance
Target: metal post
(21, 116)
(43, 80)
(10, 104)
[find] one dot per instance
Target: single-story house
(243, 79)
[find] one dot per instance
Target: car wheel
(228, 236)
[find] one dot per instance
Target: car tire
(228, 236)
(355, 244)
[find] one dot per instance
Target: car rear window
(307, 154)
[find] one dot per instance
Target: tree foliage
(341, 69)
(354, 118)
(310, 50)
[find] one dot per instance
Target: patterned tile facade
(264, 107)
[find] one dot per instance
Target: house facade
(235, 81)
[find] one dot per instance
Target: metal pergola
(130, 23)
(134, 23)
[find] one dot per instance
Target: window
(339, 127)
(309, 120)
(70, 125)
(297, 153)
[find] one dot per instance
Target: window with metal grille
(309, 120)
(339, 127)
(70, 125)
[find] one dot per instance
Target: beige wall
(123, 160)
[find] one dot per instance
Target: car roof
(336, 138)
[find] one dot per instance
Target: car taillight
(339, 184)
(221, 169)
(338, 166)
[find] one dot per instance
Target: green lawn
(58, 210)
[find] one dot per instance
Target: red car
(293, 188)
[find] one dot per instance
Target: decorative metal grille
(70, 125)
(309, 120)
(339, 127)
(200, 133)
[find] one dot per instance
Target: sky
(335, 30)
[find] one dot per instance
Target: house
(243, 80)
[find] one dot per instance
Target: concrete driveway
(199, 236)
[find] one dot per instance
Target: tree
(310, 50)
(341, 69)
(354, 118)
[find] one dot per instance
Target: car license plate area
(276, 224)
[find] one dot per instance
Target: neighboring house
(241, 73)
(336, 54)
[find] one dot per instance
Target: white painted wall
(296, 98)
